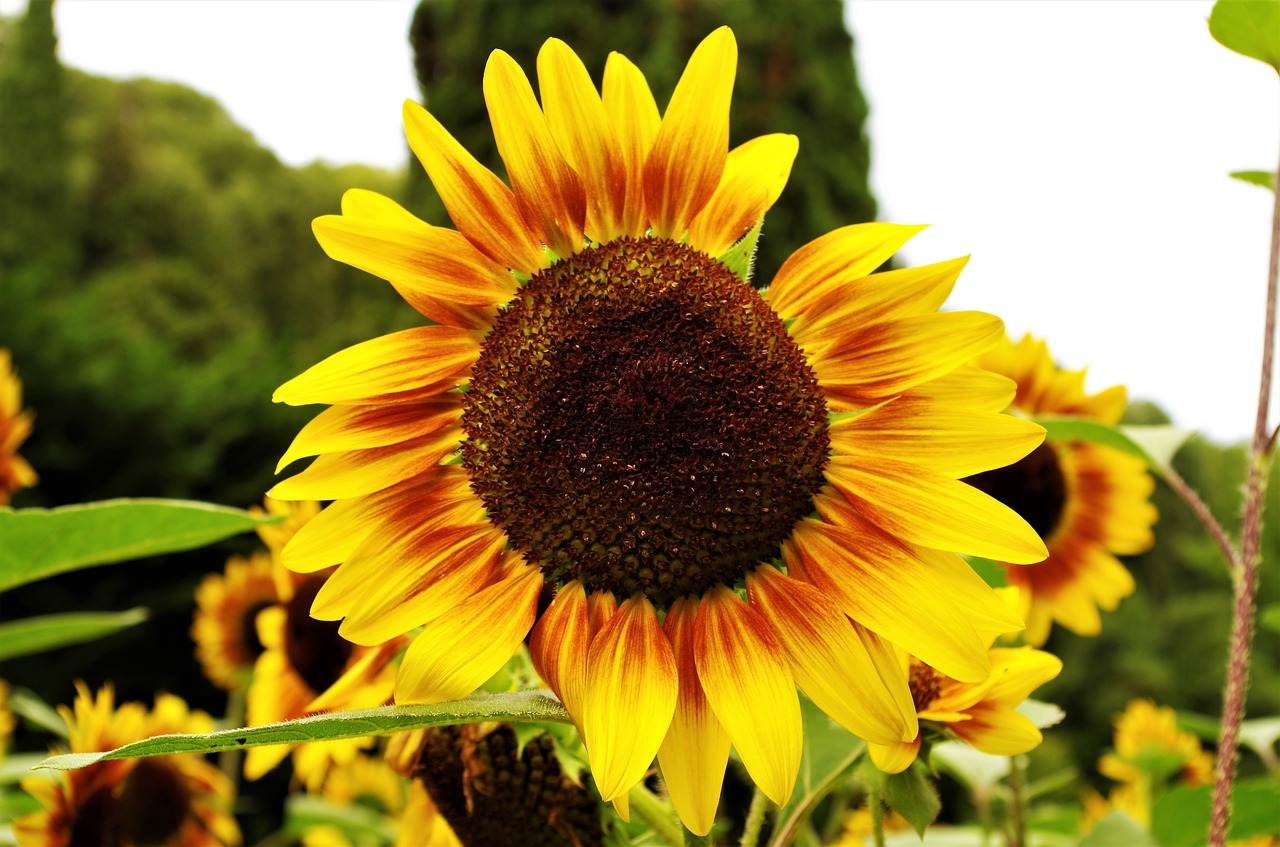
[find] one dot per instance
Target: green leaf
(1248, 27)
(913, 796)
(1040, 713)
(1156, 444)
(740, 256)
(1262, 179)
(515, 706)
(47, 632)
(27, 705)
(1118, 830)
(1269, 617)
(360, 823)
(991, 572)
(38, 543)
(16, 767)
(829, 752)
(1255, 810)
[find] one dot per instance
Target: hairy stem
(1246, 578)
(1205, 516)
(755, 819)
(657, 814)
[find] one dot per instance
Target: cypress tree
(795, 74)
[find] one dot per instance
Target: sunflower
(605, 407)
(227, 607)
(15, 426)
(181, 801)
(1149, 744)
(1090, 503)
(984, 714)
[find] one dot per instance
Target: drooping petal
(343, 428)
(336, 476)
(754, 175)
(559, 646)
(481, 206)
(894, 758)
(748, 683)
(927, 508)
(695, 752)
(631, 109)
(583, 133)
(833, 260)
(689, 152)
(391, 366)
(548, 192)
(455, 653)
(830, 662)
(630, 696)
(998, 730)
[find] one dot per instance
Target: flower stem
(1246, 578)
(1018, 805)
(876, 806)
(657, 814)
(755, 819)
(1202, 512)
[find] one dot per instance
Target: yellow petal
(630, 697)
(559, 645)
(833, 260)
(695, 752)
(629, 104)
(1017, 672)
(966, 387)
(754, 175)
(435, 358)
(689, 152)
(748, 683)
(483, 209)
(924, 507)
(582, 131)
(830, 662)
(336, 476)
(344, 428)
(998, 730)
(455, 653)
(894, 758)
(548, 192)
(956, 443)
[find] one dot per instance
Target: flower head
(182, 801)
(15, 426)
(1089, 502)
(1149, 746)
(733, 494)
(225, 626)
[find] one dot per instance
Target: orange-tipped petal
(583, 133)
(748, 683)
(455, 653)
(754, 175)
(830, 662)
(425, 357)
(548, 192)
(630, 696)
(559, 645)
(336, 476)
(631, 109)
(695, 752)
(689, 152)
(833, 260)
(481, 206)
(339, 429)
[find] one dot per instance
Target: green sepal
(910, 793)
(740, 257)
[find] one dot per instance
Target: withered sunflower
(180, 801)
(15, 426)
(1089, 502)
(607, 407)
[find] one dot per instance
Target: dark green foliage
(35, 199)
(795, 74)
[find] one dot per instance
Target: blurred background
(158, 276)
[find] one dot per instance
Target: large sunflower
(181, 801)
(15, 426)
(606, 407)
(1089, 502)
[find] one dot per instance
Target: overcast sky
(1078, 151)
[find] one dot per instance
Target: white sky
(1078, 150)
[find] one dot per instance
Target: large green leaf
(38, 543)
(1255, 810)
(1155, 445)
(516, 706)
(1119, 830)
(47, 632)
(1249, 27)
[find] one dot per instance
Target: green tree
(795, 74)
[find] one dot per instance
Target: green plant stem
(875, 805)
(755, 819)
(1246, 578)
(658, 814)
(1018, 802)
(1202, 512)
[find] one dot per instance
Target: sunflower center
(640, 419)
(1034, 487)
(154, 803)
(925, 683)
(316, 652)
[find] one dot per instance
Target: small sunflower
(180, 801)
(606, 408)
(984, 714)
(1149, 744)
(15, 426)
(1090, 503)
(227, 606)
